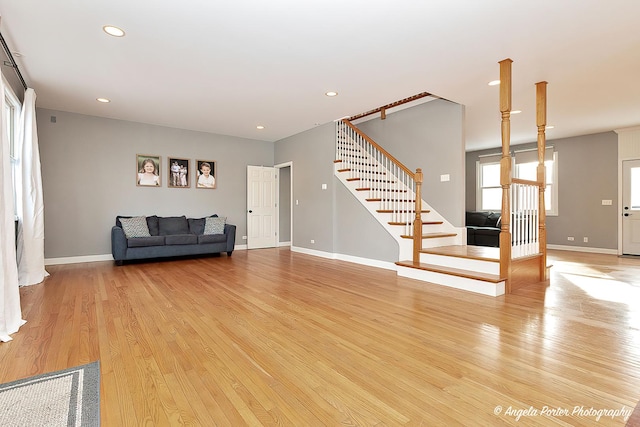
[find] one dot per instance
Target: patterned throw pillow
(135, 227)
(214, 225)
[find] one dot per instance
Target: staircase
(430, 248)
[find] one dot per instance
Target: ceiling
(226, 67)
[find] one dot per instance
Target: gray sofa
(170, 237)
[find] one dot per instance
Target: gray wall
(429, 136)
(312, 155)
(587, 174)
(89, 172)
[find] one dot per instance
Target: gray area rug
(70, 397)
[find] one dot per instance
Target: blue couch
(170, 237)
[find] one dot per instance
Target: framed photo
(178, 173)
(148, 170)
(206, 174)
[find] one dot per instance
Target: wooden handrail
(383, 110)
(525, 182)
(379, 148)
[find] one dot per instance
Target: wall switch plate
(586, 239)
(244, 237)
(445, 177)
(324, 186)
(607, 202)
(313, 241)
(570, 238)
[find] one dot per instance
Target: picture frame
(207, 179)
(178, 173)
(146, 176)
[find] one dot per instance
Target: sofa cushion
(214, 225)
(152, 222)
(493, 220)
(172, 225)
(477, 219)
(212, 238)
(181, 239)
(139, 242)
(135, 227)
(196, 225)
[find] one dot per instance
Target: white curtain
(30, 206)
(10, 314)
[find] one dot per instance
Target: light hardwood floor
(272, 337)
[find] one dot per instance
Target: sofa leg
(229, 253)
(119, 263)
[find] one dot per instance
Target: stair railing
(385, 178)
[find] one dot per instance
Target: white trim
(78, 259)
(97, 258)
(348, 258)
(280, 166)
(313, 252)
(583, 249)
(368, 262)
(284, 244)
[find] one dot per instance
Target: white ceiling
(225, 67)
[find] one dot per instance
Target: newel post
(505, 172)
(417, 223)
(541, 122)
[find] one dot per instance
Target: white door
(631, 207)
(261, 207)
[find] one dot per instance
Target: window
(525, 164)
(11, 116)
(490, 191)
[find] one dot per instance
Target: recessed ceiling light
(103, 100)
(494, 83)
(331, 93)
(259, 127)
(516, 112)
(113, 31)
(549, 127)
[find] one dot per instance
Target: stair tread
(423, 223)
(405, 210)
(485, 277)
(483, 253)
(431, 235)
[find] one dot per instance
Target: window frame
(491, 160)
(11, 122)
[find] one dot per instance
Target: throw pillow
(135, 227)
(214, 225)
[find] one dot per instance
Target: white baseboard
(583, 249)
(77, 259)
(280, 244)
(348, 258)
(94, 258)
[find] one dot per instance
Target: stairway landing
(471, 268)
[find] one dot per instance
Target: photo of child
(148, 170)
(178, 173)
(206, 171)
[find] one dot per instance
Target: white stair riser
(480, 266)
(471, 285)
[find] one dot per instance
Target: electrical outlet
(586, 239)
(570, 238)
(313, 241)
(244, 237)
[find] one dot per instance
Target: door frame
(628, 149)
(621, 191)
(278, 167)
